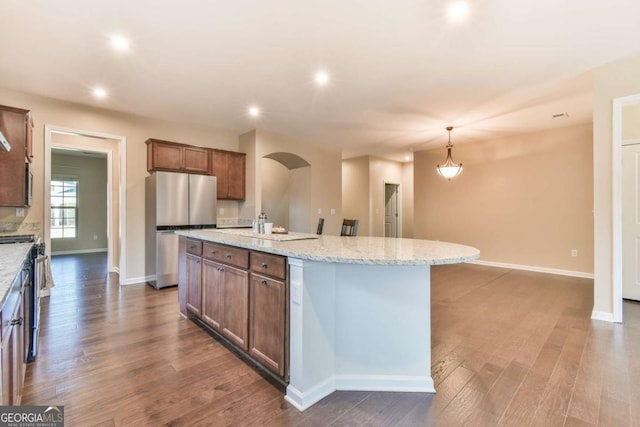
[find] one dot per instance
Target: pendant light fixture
(449, 169)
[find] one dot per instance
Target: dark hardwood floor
(510, 348)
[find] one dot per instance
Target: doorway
(391, 216)
(631, 218)
(619, 125)
(114, 148)
(285, 191)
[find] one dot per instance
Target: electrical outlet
(333, 211)
(221, 210)
(95, 237)
(19, 212)
(574, 252)
(296, 293)
(319, 211)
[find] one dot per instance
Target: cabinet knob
(228, 255)
(214, 252)
(263, 282)
(264, 265)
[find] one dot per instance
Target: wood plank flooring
(510, 348)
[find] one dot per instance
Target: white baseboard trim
(602, 315)
(138, 280)
(395, 383)
(384, 383)
(560, 272)
(79, 251)
(302, 401)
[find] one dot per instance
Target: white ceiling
(400, 71)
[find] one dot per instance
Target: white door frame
(616, 189)
(398, 203)
(122, 150)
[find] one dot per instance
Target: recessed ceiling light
(120, 43)
(458, 11)
(407, 158)
(254, 111)
(321, 78)
(99, 93)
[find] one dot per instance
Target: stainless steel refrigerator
(174, 201)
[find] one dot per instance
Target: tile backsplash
(20, 227)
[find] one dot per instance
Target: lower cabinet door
(267, 322)
(194, 284)
(212, 293)
(235, 305)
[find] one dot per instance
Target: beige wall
(363, 192)
(610, 82)
(356, 200)
(325, 179)
(136, 129)
(381, 171)
(523, 200)
(407, 200)
(91, 174)
(275, 192)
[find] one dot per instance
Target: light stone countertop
(12, 257)
(348, 250)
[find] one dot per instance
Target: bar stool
(349, 227)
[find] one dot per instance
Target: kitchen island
(359, 311)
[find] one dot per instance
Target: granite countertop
(348, 250)
(12, 257)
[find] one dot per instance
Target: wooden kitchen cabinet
(226, 291)
(175, 157)
(230, 168)
(194, 284)
(212, 294)
(235, 305)
(16, 125)
(242, 296)
(267, 322)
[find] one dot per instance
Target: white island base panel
(358, 327)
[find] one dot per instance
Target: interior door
(631, 222)
(391, 210)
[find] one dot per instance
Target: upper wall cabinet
(16, 126)
(229, 167)
(175, 157)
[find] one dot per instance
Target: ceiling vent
(560, 116)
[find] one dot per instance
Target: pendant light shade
(449, 169)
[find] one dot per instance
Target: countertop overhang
(348, 250)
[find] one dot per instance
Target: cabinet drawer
(194, 247)
(272, 265)
(227, 254)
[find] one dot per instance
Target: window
(64, 209)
